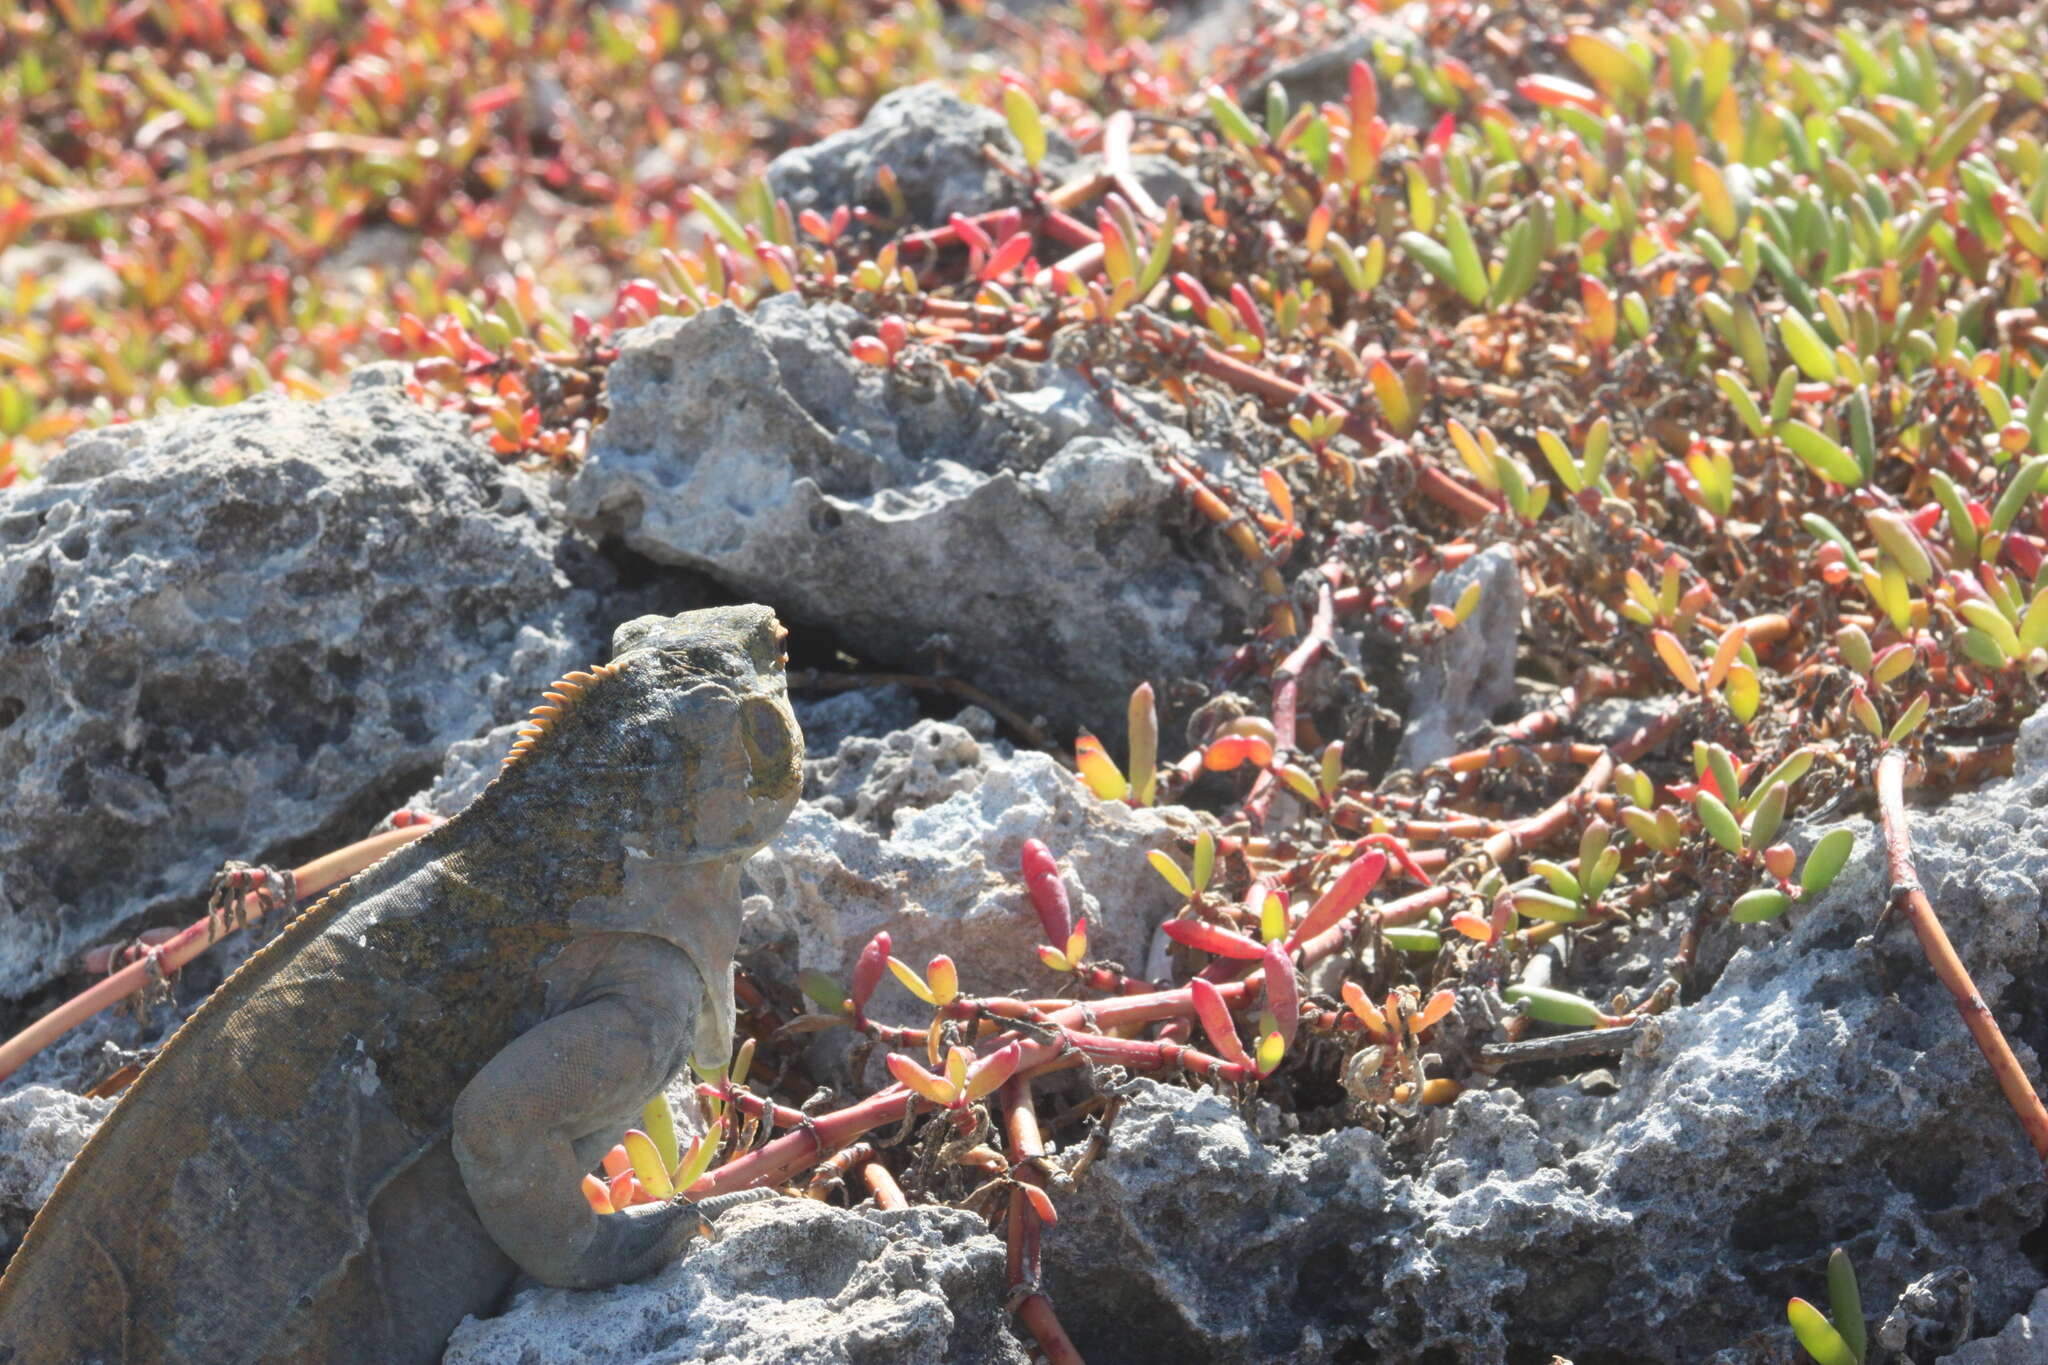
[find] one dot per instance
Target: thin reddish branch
(315, 877)
(1027, 1150)
(882, 1185)
(1911, 902)
(1431, 482)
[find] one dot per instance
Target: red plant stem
(1286, 698)
(190, 942)
(1432, 482)
(944, 235)
(1077, 191)
(1037, 1316)
(1084, 263)
(1020, 1130)
(1911, 902)
(1027, 1149)
(778, 1160)
(1113, 983)
(811, 1138)
(837, 1167)
(1064, 227)
(1287, 677)
(754, 1106)
(1508, 753)
(882, 1185)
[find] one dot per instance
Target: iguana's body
(387, 1111)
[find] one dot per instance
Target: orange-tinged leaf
(1555, 92)
(1432, 1013)
(1674, 657)
(1602, 319)
(1607, 63)
(1477, 460)
(1233, 751)
(1368, 1013)
(1476, 927)
(616, 1162)
(598, 1194)
(1040, 1202)
(1439, 1090)
(1102, 776)
(1395, 404)
(945, 980)
(1725, 656)
(1054, 958)
(991, 1071)
(623, 1191)
(1279, 492)
(1343, 896)
(1727, 121)
(922, 1082)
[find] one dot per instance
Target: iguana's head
(685, 740)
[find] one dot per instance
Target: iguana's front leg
(584, 1073)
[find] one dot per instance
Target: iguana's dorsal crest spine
(557, 701)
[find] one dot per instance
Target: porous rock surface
(1020, 541)
(234, 633)
(1823, 1093)
(787, 1282)
(1468, 673)
(932, 139)
(921, 833)
(41, 1129)
(2022, 1341)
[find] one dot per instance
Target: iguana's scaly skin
(388, 1110)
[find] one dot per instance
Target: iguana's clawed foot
(226, 896)
(636, 1243)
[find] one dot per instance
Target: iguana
(387, 1111)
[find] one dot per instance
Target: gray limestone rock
(787, 1282)
(1823, 1093)
(1019, 541)
(41, 1129)
(2022, 1341)
(921, 834)
(1461, 680)
(239, 633)
(931, 139)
